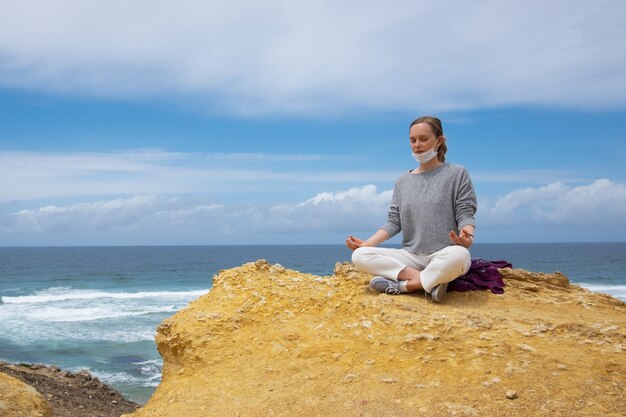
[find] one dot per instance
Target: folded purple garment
(482, 275)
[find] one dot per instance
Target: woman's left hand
(465, 237)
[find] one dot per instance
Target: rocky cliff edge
(18, 399)
(268, 341)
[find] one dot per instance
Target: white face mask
(425, 157)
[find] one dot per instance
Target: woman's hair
(437, 128)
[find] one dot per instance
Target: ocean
(97, 308)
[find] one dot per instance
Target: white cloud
(354, 210)
(601, 204)
(138, 213)
(324, 56)
(354, 197)
(357, 209)
(90, 216)
(553, 212)
(31, 176)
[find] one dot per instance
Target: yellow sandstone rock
(18, 399)
(267, 341)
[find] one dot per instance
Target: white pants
(438, 268)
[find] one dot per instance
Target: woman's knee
(460, 253)
(359, 257)
(453, 255)
(459, 256)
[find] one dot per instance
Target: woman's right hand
(355, 242)
(377, 238)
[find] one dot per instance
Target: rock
(511, 395)
(527, 348)
(65, 395)
(20, 400)
(260, 265)
(278, 342)
(84, 374)
(389, 380)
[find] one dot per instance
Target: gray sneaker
(439, 292)
(386, 285)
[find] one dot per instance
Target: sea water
(97, 308)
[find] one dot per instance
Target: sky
(244, 122)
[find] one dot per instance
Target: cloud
(354, 210)
(34, 175)
(87, 216)
(321, 57)
(137, 213)
(601, 204)
(587, 212)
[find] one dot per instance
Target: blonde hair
(437, 128)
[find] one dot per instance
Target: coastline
(99, 313)
(263, 327)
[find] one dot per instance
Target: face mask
(425, 157)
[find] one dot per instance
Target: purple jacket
(482, 275)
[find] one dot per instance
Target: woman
(434, 206)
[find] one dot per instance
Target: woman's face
(422, 138)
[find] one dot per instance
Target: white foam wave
(154, 379)
(34, 332)
(618, 291)
(70, 314)
(52, 314)
(123, 378)
(121, 336)
(152, 368)
(117, 377)
(158, 362)
(57, 294)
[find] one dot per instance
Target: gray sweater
(427, 206)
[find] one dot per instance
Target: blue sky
(247, 123)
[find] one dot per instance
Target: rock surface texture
(267, 341)
(20, 400)
(67, 394)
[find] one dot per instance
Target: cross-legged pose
(434, 206)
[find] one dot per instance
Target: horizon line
(284, 244)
